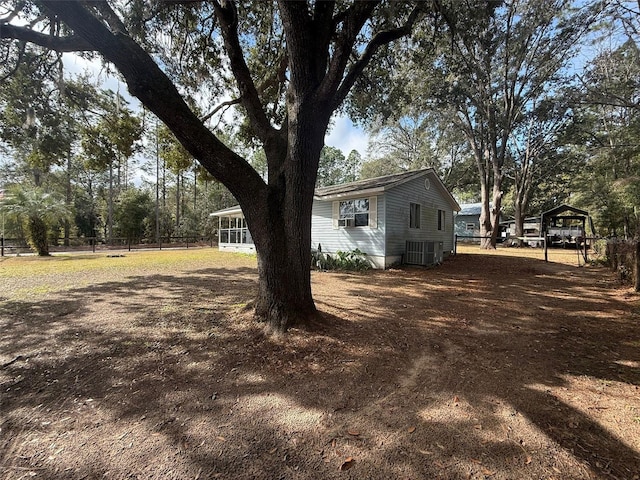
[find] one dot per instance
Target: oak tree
(286, 65)
(499, 62)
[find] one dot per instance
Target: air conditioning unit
(423, 253)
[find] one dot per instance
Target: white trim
(235, 211)
(237, 247)
(349, 195)
(373, 212)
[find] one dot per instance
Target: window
(471, 227)
(354, 213)
(357, 212)
(234, 230)
(414, 215)
(441, 219)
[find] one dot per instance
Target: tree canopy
(607, 132)
(500, 66)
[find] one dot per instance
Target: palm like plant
(38, 210)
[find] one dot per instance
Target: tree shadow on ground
(513, 341)
(414, 373)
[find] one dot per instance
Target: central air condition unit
(423, 253)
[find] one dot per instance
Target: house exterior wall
(460, 228)
(367, 239)
(397, 217)
(385, 245)
(249, 248)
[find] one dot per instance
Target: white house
(401, 218)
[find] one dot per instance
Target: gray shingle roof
(378, 183)
(369, 183)
(470, 209)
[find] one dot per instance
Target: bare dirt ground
(487, 367)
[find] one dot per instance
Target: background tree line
(112, 171)
(521, 106)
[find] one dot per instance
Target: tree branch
(14, 13)
(228, 18)
(108, 15)
(303, 44)
(72, 43)
(352, 19)
(228, 103)
(21, 51)
(380, 39)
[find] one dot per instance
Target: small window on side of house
(471, 227)
(414, 215)
(441, 219)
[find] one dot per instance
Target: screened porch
(233, 233)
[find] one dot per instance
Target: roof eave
(228, 212)
(351, 194)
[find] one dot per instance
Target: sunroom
(233, 233)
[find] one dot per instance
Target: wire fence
(576, 252)
(15, 246)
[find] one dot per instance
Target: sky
(346, 136)
(342, 134)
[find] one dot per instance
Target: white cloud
(76, 65)
(346, 136)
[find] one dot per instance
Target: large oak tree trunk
(490, 217)
(491, 207)
(485, 219)
(521, 201)
(284, 285)
(496, 209)
(520, 206)
(282, 228)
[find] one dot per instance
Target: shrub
(355, 260)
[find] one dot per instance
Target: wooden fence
(623, 257)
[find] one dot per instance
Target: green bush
(355, 260)
(600, 247)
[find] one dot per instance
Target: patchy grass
(63, 263)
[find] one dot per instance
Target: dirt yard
(487, 367)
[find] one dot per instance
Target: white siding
(369, 240)
(387, 242)
(397, 216)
